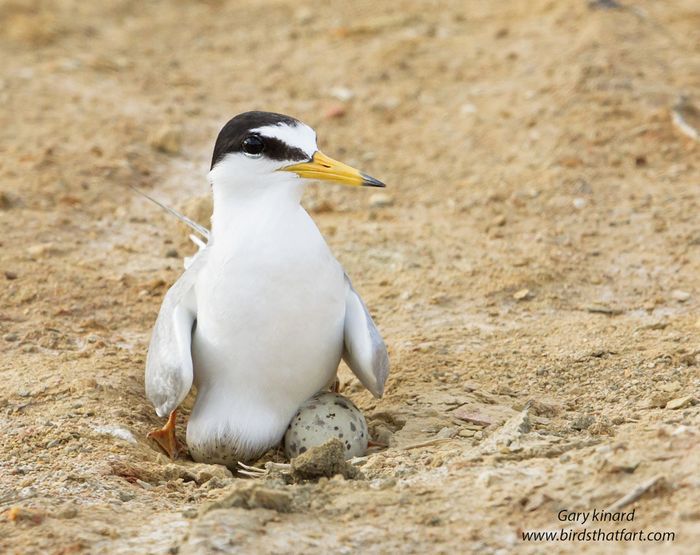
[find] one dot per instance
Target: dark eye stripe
(276, 149)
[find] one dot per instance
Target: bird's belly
(266, 340)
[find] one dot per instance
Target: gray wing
(364, 350)
(169, 370)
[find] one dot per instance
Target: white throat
(240, 195)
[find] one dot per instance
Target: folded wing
(169, 362)
(364, 349)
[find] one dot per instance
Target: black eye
(253, 146)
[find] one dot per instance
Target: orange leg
(165, 437)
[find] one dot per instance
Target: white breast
(271, 305)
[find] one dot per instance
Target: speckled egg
(327, 415)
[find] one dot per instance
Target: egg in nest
(324, 416)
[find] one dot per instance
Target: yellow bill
(326, 169)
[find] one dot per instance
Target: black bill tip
(369, 181)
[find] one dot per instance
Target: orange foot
(165, 437)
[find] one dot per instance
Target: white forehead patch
(299, 136)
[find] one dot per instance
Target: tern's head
(263, 151)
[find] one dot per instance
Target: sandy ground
(535, 267)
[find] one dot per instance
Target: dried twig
(429, 443)
(636, 493)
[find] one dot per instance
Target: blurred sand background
(534, 265)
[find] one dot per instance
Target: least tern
(264, 312)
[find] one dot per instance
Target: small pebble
(680, 296)
(126, 496)
(171, 253)
(680, 402)
(10, 275)
(342, 93)
(116, 431)
(669, 387)
(522, 295)
(44, 249)
(582, 422)
(447, 433)
(144, 485)
(335, 111)
(10, 337)
(380, 200)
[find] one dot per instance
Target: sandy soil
(535, 268)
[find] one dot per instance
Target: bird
(263, 314)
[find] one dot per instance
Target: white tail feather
(203, 231)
